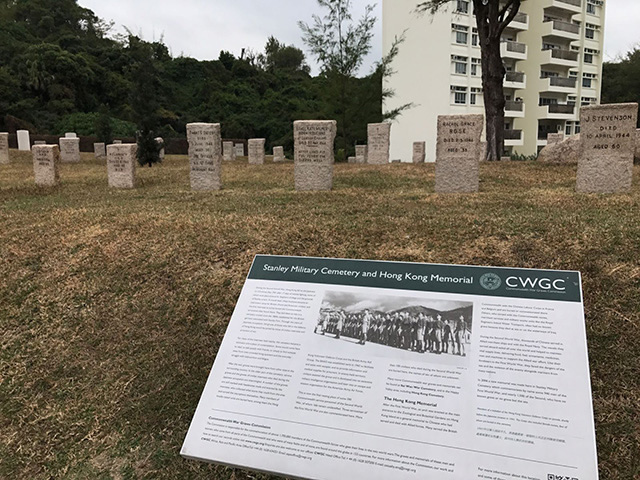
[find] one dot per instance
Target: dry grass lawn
(113, 303)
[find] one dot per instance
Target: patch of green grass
(113, 303)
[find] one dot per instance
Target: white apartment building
(552, 52)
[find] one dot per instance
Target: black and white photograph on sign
(428, 328)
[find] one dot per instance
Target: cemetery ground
(113, 303)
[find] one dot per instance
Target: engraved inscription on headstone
(239, 149)
(205, 155)
(378, 143)
(24, 144)
(313, 154)
(227, 152)
(278, 154)
(256, 151)
(608, 143)
(553, 138)
(457, 153)
(121, 165)
(99, 150)
(419, 152)
(4, 148)
(361, 154)
(70, 150)
(45, 165)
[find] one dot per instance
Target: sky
(201, 28)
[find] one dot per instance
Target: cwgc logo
(490, 281)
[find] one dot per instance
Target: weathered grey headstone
(608, 135)
(227, 151)
(351, 160)
(45, 165)
(121, 165)
(23, 140)
(238, 149)
(99, 150)
(361, 154)
(160, 141)
(39, 142)
(313, 154)
(205, 155)
(419, 152)
(70, 135)
(378, 143)
(566, 151)
(553, 138)
(4, 148)
(278, 154)
(637, 153)
(458, 153)
(70, 150)
(256, 151)
(117, 142)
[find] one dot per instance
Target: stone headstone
(361, 154)
(483, 151)
(23, 140)
(227, 151)
(458, 153)
(238, 149)
(566, 151)
(256, 151)
(117, 142)
(205, 155)
(278, 154)
(70, 150)
(608, 137)
(45, 165)
(553, 138)
(378, 143)
(70, 135)
(419, 152)
(4, 148)
(637, 153)
(313, 154)
(160, 141)
(39, 142)
(99, 150)
(121, 165)
(351, 160)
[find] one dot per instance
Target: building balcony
(573, 6)
(558, 85)
(513, 50)
(555, 30)
(520, 22)
(513, 138)
(516, 80)
(560, 56)
(514, 109)
(558, 111)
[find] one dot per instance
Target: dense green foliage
(621, 80)
(60, 66)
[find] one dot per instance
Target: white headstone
(70, 150)
(256, 151)
(238, 149)
(70, 135)
(160, 141)
(117, 142)
(24, 144)
(121, 165)
(45, 165)
(361, 154)
(278, 154)
(39, 142)
(205, 156)
(378, 143)
(419, 152)
(227, 152)
(313, 154)
(100, 150)
(4, 148)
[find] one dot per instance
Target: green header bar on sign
(424, 277)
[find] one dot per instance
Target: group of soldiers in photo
(417, 332)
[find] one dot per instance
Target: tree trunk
(492, 85)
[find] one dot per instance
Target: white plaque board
(386, 370)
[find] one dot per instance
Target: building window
(473, 97)
(462, 6)
(591, 8)
(590, 33)
(568, 128)
(587, 79)
(475, 66)
(459, 64)
(588, 57)
(571, 100)
(548, 101)
(461, 34)
(576, 129)
(474, 37)
(459, 96)
(586, 101)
